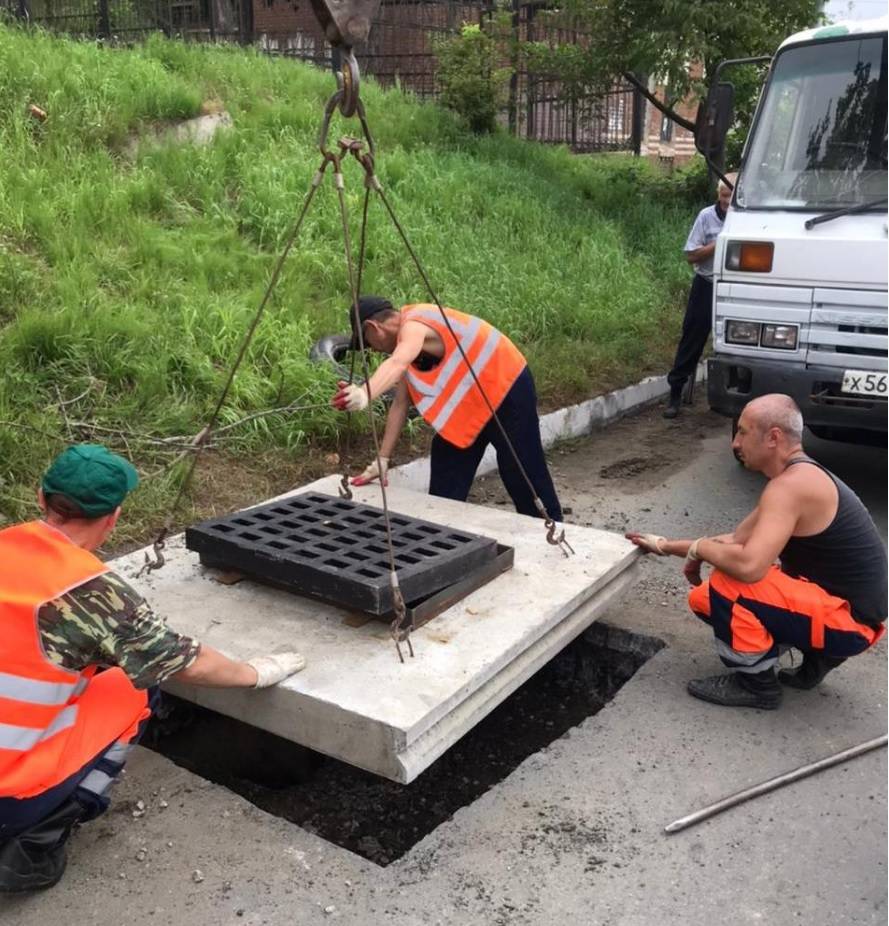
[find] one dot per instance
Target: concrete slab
(355, 701)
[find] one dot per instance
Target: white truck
(800, 280)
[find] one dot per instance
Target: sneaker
(810, 673)
(737, 689)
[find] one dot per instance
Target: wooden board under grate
(335, 549)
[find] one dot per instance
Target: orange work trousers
(753, 621)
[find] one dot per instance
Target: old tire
(334, 350)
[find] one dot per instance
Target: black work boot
(739, 689)
(36, 859)
(672, 409)
(810, 672)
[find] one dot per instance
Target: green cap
(91, 476)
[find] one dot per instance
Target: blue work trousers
(453, 468)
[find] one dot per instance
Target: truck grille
(862, 351)
(848, 324)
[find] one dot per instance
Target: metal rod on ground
(774, 783)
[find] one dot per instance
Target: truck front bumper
(733, 381)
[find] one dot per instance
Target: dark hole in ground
(380, 819)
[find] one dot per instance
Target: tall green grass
(129, 274)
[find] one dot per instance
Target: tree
(470, 79)
(663, 38)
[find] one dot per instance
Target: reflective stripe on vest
(20, 739)
(444, 416)
(33, 691)
(447, 397)
(53, 720)
(433, 390)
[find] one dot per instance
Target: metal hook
(401, 626)
(557, 540)
(158, 546)
(344, 490)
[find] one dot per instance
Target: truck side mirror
(715, 116)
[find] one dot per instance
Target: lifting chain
(347, 100)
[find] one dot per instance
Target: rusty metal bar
(773, 784)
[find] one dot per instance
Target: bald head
(776, 410)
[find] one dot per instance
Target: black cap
(368, 306)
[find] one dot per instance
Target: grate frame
(335, 549)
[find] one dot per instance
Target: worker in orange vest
(427, 368)
(81, 656)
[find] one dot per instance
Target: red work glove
(371, 472)
(350, 398)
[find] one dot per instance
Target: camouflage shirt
(107, 622)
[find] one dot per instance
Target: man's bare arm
(212, 669)
(411, 339)
(395, 420)
(741, 534)
(748, 560)
(702, 253)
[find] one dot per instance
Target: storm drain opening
(379, 819)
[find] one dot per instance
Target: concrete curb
(560, 425)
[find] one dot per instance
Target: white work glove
(371, 472)
(350, 398)
(275, 668)
(648, 543)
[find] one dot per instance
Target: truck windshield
(820, 140)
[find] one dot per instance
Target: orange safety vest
(53, 721)
(447, 396)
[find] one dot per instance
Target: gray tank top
(847, 558)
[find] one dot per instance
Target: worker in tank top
(428, 351)
(828, 596)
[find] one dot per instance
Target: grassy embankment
(127, 280)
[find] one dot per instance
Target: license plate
(864, 382)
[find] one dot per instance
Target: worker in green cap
(81, 656)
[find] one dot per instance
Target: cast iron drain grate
(335, 549)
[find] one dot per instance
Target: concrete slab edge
(510, 659)
(420, 754)
(562, 424)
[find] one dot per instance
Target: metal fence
(399, 51)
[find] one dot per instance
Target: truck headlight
(749, 256)
(784, 337)
(739, 332)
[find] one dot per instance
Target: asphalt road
(575, 834)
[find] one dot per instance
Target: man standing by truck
(696, 325)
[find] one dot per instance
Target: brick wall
(679, 145)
